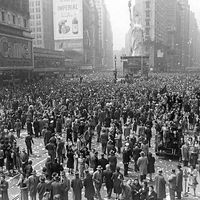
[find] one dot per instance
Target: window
(38, 16)
(147, 30)
(25, 23)
(38, 23)
(39, 29)
(38, 9)
(39, 42)
(3, 16)
(39, 36)
(147, 22)
(147, 4)
(14, 19)
(9, 18)
(148, 13)
(19, 21)
(37, 3)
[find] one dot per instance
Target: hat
(76, 173)
(42, 179)
(99, 167)
(142, 153)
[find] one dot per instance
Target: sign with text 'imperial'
(68, 19)
(15, 51)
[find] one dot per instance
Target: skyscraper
(41, 23)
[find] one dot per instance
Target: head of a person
(136, 181)
(107, 166)
(118, 169)
(151, 188)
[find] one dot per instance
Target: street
(40, 155)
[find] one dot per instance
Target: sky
(119, 14)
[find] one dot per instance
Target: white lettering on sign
(11, 49)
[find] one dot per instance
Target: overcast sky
(119, 13)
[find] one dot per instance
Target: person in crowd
(55, 188)
(65, 185)
(136, 188)
(151, 194)
(98, 179)
(179, 181)
(41, 187)
(144, 191)
(142, 165)
(193, 173)
(160, 185)
(103, 161)
(77, 185)
(151, 165)
(107, 179)
(4, 187)
(172, 184)
(29, 141)
(89, 186)
(32, 182)
(126, 159)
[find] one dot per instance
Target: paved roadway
(40, 155)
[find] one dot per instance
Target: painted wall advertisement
(68, 19)
(15, 52)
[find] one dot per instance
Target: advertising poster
(68, 19)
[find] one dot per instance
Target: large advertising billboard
(68, 19)
(15, 52)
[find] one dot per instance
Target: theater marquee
(15, 52)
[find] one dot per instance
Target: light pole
(115, 72)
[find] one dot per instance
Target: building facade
(166, 33)
(41, 23)
(16, 53)
(194, 44)
(105, 35)
(76, 31)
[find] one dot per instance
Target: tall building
(16, 54)
(194, 44)
(41, 23)
(185, 42)
(166, 32)
(105, 35)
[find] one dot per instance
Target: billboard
(68, 19)
(15, 52)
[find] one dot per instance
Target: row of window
(34, 3)
(33, 23)
(37, 42)
(13, 19)
(32, 10)
(37, 16)
(38, 29)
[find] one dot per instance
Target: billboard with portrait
(68, 19)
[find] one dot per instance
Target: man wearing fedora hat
(33, 181)
(160, 185)
(55, 185)
(89, 186)
(65, 184)
(142, 165)
(77, 186)
(98, 178)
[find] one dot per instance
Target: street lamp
(115, 72)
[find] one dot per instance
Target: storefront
(16, 56)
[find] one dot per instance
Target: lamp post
(115, 72)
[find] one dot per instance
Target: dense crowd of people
(72, 117)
